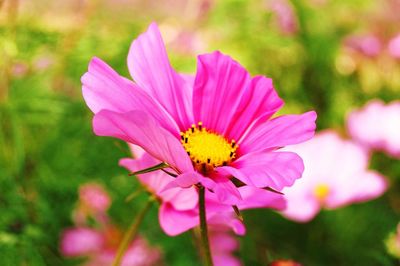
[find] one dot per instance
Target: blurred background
(328, 55)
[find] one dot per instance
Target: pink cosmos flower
(100, 244)
(78, 241)
(179, 207)
(377, 126)
(100, 248)
(285, 15)
(93, 201)
(19, 69)
(207, 128)
(335, 175)
(94, 197)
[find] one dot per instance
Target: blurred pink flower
(208, 128)
(394, 46)
(369, 45)
(335, 175)
(100, 248)
(43, 62)
(80, 241)
(19, 69)
(285, 15)
(93, 201)
(179, 209)
(94, 197)
(187, 43)
(377, 126)
(100, 244)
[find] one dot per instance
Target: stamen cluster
(321, 192)
(206, 149)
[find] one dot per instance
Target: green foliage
(47, 148)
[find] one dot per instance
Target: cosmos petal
(302, 210)
(219, 85)
(175, 222)
(267, 169)
(260, 198)
(367, 186)
(104, 89)
(139, 128)
(259, 102)
(149, 66)
(279, 132)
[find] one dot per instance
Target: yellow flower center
(321, 192)
(207, 149)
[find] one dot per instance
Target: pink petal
(361, 187)
(302, 209)
(260, 198)
(222, 245)
(222, 241)
(137, 151)
(184, 180)
(278, 132)
(226, 191)
(259, 101)
(141, 129)
(237, 227)
(189, 79)
(103, 88)
(223, 220)
(189, 179)
(268, 169)
(184, 199)
(175, 222)
(376, 126)
(80, 242)
(232, 171)
(219, 85)
(149, 66)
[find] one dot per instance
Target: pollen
(207, 149)
(321, 192)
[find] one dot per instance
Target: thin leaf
(169, 173)
(237, 211)
(150, 169)
(273, 190)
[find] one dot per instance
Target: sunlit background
(328, 55)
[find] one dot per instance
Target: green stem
(131, 233)
(203, 227)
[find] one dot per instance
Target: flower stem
(203, 227)
(131, 233)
